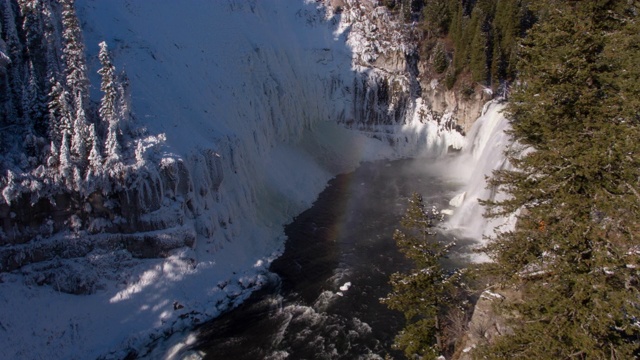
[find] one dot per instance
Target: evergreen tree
(425, 294)
(53, 68)
(108, 112)
(455, 27)
(478, 51)
(461, 39)
(437, 17)
(112, 145)
(510, 21)
(59, 113)
(14, 82)
(94, 178)
(73, 51)
(65, 168)
(108, 85)
(123, 106)
(95, 155)
(34, 102)
(576, 189)
(484, 34)
(440, 61)
(80, 132)
(76, 79)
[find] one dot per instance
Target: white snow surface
(258, 84)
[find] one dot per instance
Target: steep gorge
(241, 112)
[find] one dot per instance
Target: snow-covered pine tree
(76, 79)
(108, 112)
(95, 168)
(108, 86)
(13, 46)
(123, 105)
(112, 145)
(59, 113)
(32, 26)
(65, 167)
(95, 155)
(52, 43)
(29, 96)
(34, 101)
(73, 51)
(80, 130)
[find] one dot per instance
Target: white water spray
(483, 154)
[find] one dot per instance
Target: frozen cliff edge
(248, 102)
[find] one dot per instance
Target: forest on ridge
(574, 106)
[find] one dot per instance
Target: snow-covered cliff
(237, 114)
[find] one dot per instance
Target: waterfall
(481, 155)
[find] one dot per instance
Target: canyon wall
(225, 119)
(356, 66)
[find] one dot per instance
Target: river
(346, 237)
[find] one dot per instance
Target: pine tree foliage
(55, 141)
(76, 79)
(426, 293)
(66, 166)
(108, 112)
(108, 85)
(73, 52)
(440, 61)
(574, 250)
(482, 36)
(95, 155)
(478, 48)
(437, 17)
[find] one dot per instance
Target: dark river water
(345, 237)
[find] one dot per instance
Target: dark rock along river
(345, 237)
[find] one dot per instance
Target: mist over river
(309, 310)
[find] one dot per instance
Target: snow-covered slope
(244, 104)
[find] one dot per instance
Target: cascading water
(482, 154)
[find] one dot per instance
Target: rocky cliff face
(392, 76)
